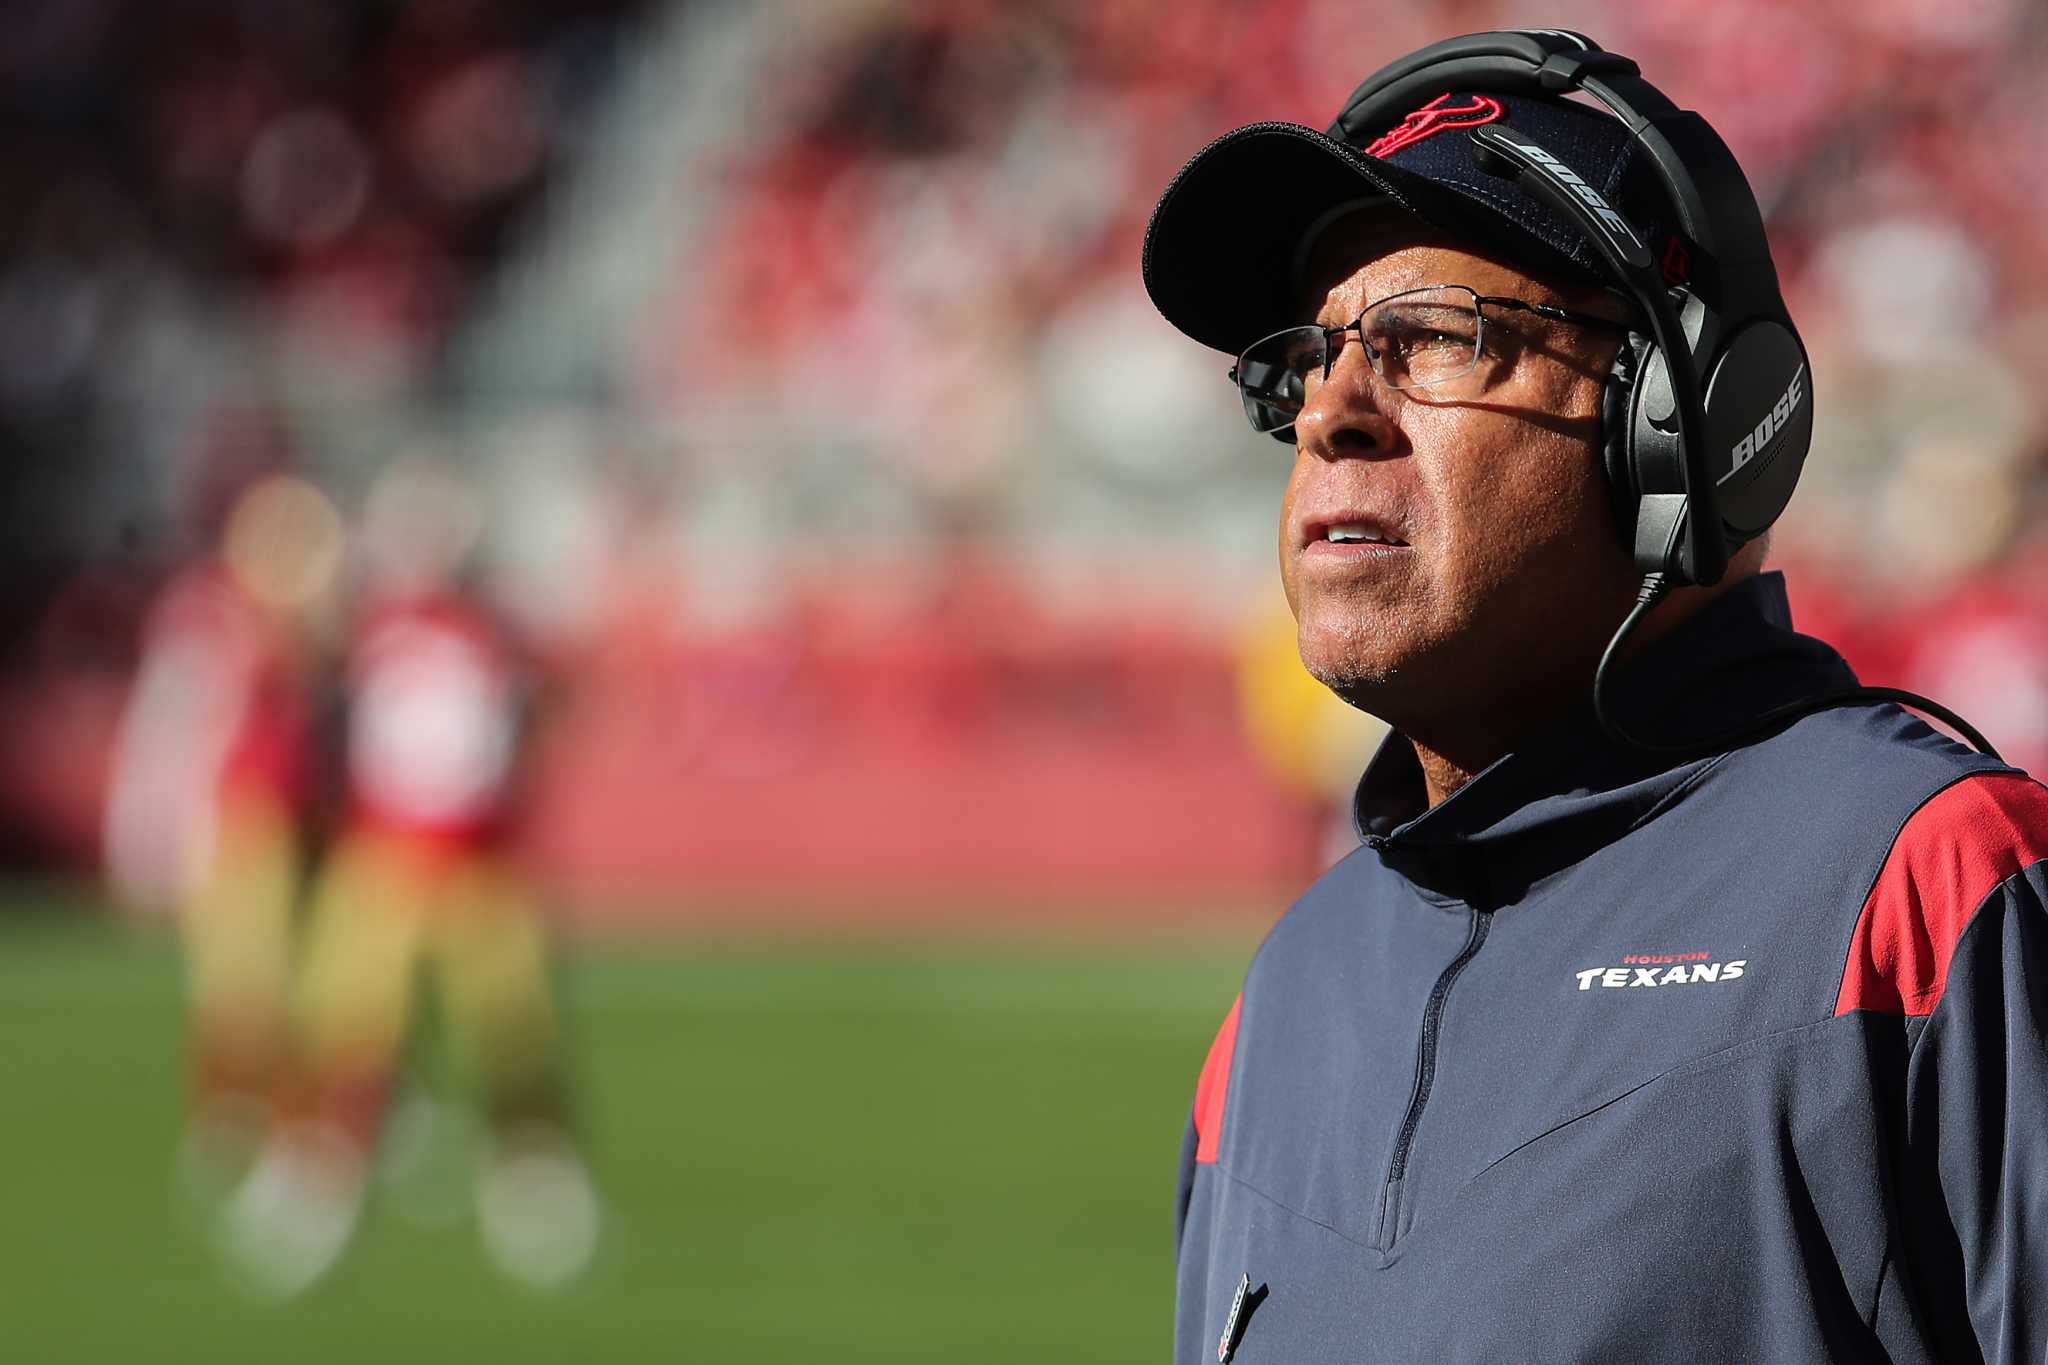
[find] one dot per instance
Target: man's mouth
(1351, 532)
(1358, 532)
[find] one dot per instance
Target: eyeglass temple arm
(1551, 310)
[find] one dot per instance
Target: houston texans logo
(1433, 118)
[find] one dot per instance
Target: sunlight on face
(1495, 558)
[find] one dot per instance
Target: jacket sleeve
(1184, 1185)
(1974, 1192)
(1204, 1132)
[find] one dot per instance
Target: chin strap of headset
(1652, 591)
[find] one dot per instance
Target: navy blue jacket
(1609, 1057)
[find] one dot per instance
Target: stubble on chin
(1353, 661)
(1402, 660)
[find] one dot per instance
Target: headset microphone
(1709, 414)
(1661, 521)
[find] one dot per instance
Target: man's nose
(1348, 414)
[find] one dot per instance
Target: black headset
(1708, 411)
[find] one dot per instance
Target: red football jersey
(434, 723)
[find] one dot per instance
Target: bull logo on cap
(1433, 118)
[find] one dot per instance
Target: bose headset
(1708, 413)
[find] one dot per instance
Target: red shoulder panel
(1209, 1091)
(1966, 840)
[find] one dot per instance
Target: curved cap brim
(1222, 250)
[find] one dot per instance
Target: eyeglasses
(1417, 339)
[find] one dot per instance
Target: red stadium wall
(797, 774)
(977, 756)
(1065, 822)
(923, 765)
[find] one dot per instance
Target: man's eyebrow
(1325, 313)
(1407, 285)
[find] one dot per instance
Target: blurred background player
(210, 793)
(419, 891)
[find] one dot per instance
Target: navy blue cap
(1227, 241)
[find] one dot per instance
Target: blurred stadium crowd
(871, 528)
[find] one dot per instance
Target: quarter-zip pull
(1226, 1346)
(1242, 1305)
(1390, 1212)
(1392, 1223)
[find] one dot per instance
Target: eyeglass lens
(1412, 340)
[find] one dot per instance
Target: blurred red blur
(875, 539)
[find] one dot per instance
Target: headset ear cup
(1759, 425)
(1617, 422)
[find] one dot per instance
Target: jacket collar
(1570, 790)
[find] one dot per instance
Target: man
(211, 798)
(1592, 1051)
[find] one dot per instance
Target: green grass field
(811, 1151)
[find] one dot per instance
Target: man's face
(1508, 574)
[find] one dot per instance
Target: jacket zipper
(1425, 1074)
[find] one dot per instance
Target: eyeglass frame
(1333, 345)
